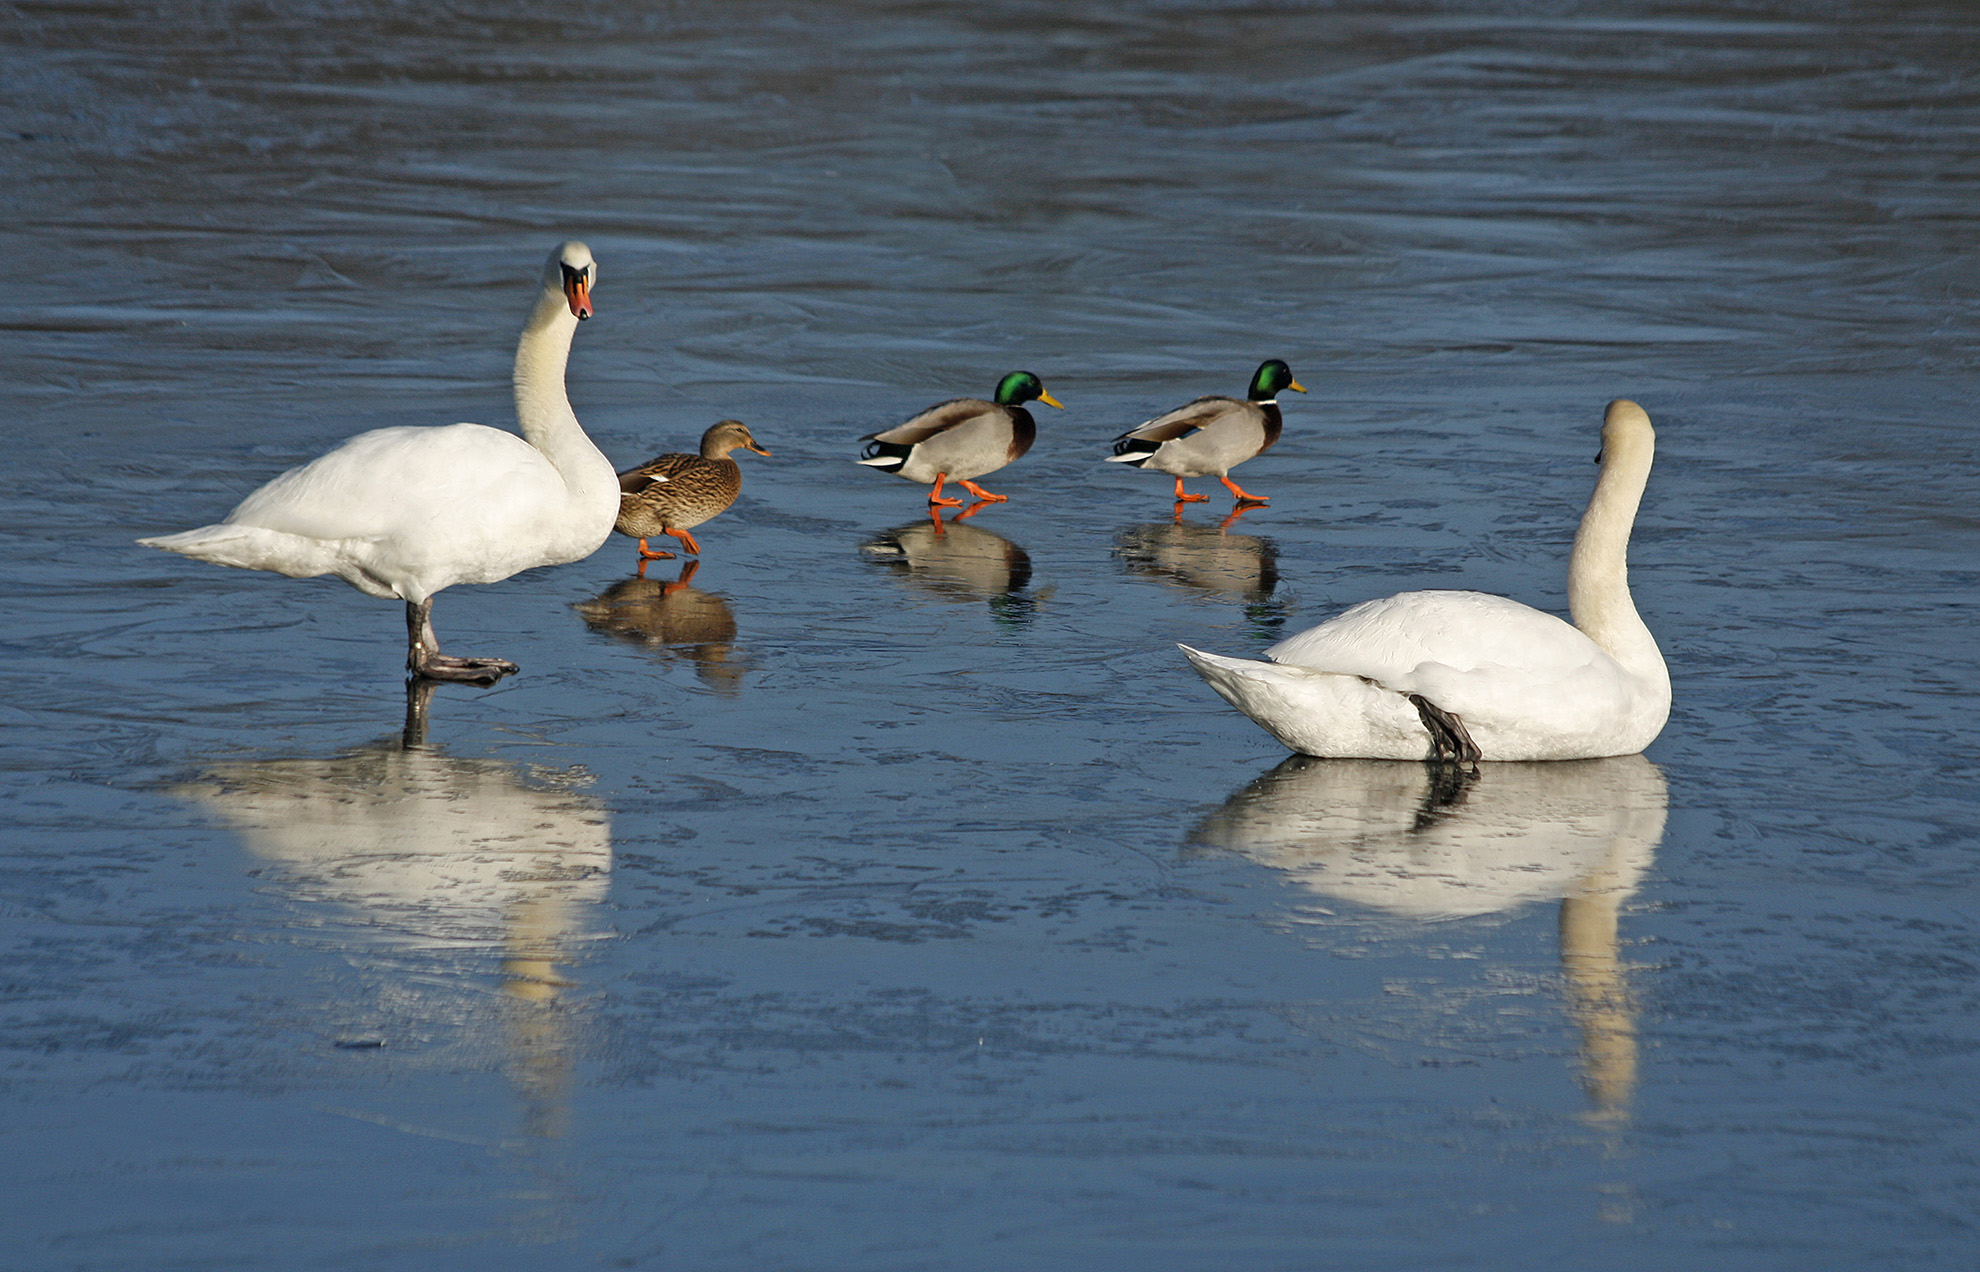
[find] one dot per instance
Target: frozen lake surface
(886, 899)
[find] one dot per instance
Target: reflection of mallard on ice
(1440, 841)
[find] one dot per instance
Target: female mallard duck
(404, 512)
(1211, 435)
(1467, 676)
(961, 439)
(673, 493)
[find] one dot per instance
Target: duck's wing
(938, 419)
(659, 469)
(1192, 417)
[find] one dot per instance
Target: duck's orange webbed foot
(935, 499)
(687, 540)
(1242, 495)
(982, 495)
(649, 554)
(1182, 498)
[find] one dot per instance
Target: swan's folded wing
(1472, 653)
(377, 483)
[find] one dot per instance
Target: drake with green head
(961, 439)
(1212, 435)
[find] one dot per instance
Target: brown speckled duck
(673, 493)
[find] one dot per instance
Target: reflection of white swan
(438, 854)
(1431, 841)
(1469, 676)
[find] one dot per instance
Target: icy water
(891, 899)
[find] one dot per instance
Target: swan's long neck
(1598, 570)
(542, 407)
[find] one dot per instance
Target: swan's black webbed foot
(425, 661)
(467, 671)
(1448, 739)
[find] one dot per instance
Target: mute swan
(961, 439)
(1212, 435)
(673, 493)
(1466, 676)
(405, 512)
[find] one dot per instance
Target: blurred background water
(895, 900)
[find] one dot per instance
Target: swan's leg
(419, 695)
(981, 494)
(1181, 498)
(687, 540)
(1448, 738)
(424, 659)
(935, 496)
(1242, 496)
(652, 554)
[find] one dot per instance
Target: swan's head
(1271, 376)
(1020, 387)
(1623, 423)
(572, 272)
(718, 441)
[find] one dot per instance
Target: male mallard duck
(404, 512)
(1211, 435)
(673, 493)
(1469, 676)
(961, 439)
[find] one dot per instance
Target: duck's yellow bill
(1048, 399)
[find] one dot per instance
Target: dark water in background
(886, 901)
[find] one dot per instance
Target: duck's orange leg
(650, 554)
(687, 540)
(1182, 498)
(1242, 496)
(982, 494)
(935, 499)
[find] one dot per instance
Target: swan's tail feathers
(1303, 709)
(252, 548)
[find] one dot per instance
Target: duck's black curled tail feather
(1129, 449)
(886, 456)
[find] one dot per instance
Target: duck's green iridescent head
(1272, 376)
(1020, 387)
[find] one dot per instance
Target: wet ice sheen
(877, 898)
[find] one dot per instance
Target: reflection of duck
(674, 618)
(1433, 841)
(952, 561)
(1202, 559)
(437, 854)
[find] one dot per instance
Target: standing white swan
(405, 512)
(1467, 676)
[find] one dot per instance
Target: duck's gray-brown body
(678, 492)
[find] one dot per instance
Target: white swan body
(1517, 683)
(406, 512)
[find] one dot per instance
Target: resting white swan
(405, 512)
(1467, 676)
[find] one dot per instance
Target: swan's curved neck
(542, 408)
(1598, 570)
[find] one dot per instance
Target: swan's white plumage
(405, 512)
(1525, 684)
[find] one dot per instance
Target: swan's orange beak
(578, 292)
